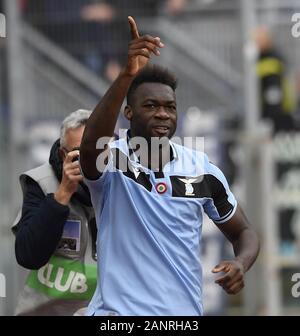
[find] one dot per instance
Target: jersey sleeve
(221, 205)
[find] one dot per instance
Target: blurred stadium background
(60, 55)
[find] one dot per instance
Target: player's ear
(128, 112)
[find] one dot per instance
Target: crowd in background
(96, 26)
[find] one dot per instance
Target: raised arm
(103, 120)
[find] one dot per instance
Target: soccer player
(149, 208)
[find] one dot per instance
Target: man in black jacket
(56, 234)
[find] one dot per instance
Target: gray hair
(73, 121)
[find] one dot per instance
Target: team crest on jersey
(161, 188)
(189, 189)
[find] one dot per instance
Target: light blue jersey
(149, 232)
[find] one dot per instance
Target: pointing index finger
(133, 28)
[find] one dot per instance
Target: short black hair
(152, 74)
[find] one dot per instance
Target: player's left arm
(246, 247)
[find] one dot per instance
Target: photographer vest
(67, 282)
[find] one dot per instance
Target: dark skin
(245, 245)
(106, 112)
(152, 113)
(153, 106)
